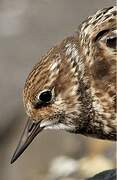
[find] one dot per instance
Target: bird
(73, 86)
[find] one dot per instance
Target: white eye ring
(45, 96)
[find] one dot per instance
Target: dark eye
(108, 37)
(111, 42)
(45, 96)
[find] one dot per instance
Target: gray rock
(105, 175)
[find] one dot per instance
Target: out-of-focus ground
(27, 30)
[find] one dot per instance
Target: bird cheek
(43, 113)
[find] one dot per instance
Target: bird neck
(94, 121)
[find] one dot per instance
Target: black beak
(30, 132)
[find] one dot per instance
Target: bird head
(50, 92)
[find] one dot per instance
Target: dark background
(27, 30)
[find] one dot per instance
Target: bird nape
(73, 87)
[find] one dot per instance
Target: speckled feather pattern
(81, 71)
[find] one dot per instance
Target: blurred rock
(63, 167)
(105, 175)
(91, 165)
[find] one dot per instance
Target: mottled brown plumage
(73, 87)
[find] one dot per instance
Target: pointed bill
(30, 132)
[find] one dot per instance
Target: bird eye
(108, 37)
(111, 42)
(45, 96)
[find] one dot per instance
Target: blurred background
(27, 30)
